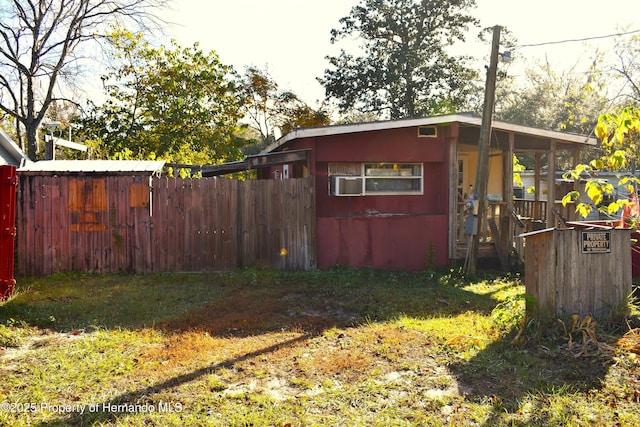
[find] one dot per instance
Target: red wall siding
(391, 243)
(384, 232)
(433, 201)
(399, 145)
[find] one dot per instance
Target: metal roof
(426, 121)
(10, 152)
(94, 166)
(250, 162)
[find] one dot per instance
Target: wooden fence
(137, 224)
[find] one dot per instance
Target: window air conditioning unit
(346, 186)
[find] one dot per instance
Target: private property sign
(596, 242)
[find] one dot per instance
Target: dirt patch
(314, 344)
(10, 356)
(236, 315)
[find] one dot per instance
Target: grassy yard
(336, 348)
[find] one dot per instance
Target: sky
(290, 38)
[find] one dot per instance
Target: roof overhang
(12, 148)
(428, 121)
(105, 167)
(69, 144)
(250, 162)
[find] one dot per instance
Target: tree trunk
(32, 139)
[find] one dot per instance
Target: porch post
(509, 232)
(508, 171)
(453, 194)
(538, 178)
(482, 172)
(551, 184)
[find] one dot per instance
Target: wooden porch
(507, 217)
(500, 240)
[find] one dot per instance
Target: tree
(567, 101)
(294, 113)
(170, 102)
(404, 69)
(260, 92)
(269, 108)
(40, 44)
(619, 132)
(622, 63)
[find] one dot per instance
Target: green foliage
(618, 129)
(269, 108)
(11, 336)
(619, 133)
(548, 100)
(168, 102)
(430, 263)
(404, 69)
(509, 314)
(517, 168)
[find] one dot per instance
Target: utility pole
(482, 171)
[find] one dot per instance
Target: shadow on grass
(128, 403)
(505, 375)
(246, 303)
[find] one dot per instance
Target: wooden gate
(139, 224)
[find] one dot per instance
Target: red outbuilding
(393, 194)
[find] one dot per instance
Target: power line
(577, 40)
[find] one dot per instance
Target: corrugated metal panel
(10, 152)
(6, 158)
(94, 166)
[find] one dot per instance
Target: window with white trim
(368, 179)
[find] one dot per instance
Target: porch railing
(533, 213)
(494, 211)
(509, 224)
(532, 210)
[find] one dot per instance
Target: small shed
(393, 195)
(585, 270)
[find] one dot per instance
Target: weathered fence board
(565, 280)
(138, 224)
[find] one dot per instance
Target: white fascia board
(426, 121)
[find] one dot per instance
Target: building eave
(110, 167)
(333, 130)
(13, 149)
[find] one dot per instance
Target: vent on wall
(428, 131)
(346, 186)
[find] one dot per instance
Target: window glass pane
(379, 178)
(392, 184)
(392, 169)
(346, 169)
